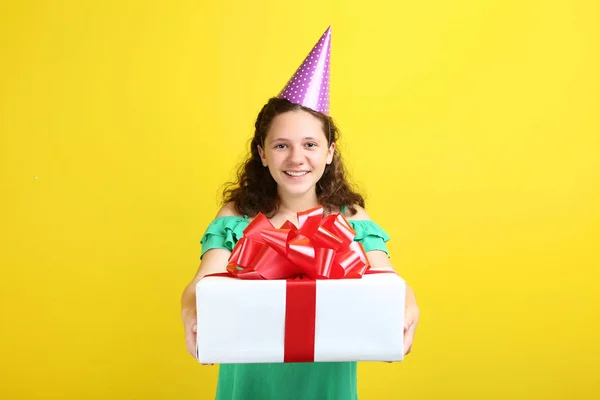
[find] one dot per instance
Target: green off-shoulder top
(286, 381)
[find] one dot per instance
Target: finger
(190, 341)
(195, 328)
(191, 350)
(191, 347)
(408, 339)
(407, 345)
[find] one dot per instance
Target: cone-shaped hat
(310, 84)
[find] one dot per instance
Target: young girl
(293, 166)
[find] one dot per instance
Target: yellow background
(472, 126)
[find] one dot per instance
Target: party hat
(309, 86)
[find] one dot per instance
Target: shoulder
(228, 210)
(361, 214)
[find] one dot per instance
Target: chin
(297, 190)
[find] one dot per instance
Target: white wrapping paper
(243, 321)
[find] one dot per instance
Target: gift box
(301, 320)
(300, 294)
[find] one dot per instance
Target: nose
(296, 156)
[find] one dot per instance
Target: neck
(295, 204)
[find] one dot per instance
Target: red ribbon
(300, 308)
(319, 248)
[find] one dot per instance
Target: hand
(190, 326)
(411, 319)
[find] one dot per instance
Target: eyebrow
(287, 140)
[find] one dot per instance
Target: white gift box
(244, 321)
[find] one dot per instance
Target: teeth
(296, 174)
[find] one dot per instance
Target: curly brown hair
(255, 189)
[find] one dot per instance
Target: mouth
(296, 174)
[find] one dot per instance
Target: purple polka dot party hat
(309, 86)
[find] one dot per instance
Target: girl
(293, 166)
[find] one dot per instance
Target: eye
(280, 146)
(311, 144)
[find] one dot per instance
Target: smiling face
(296, 152)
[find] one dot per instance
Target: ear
(330, 153)
(263, 157)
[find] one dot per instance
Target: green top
(287, 381)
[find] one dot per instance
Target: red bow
(320, 248)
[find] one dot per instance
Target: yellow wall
(472, 126)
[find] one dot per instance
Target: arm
(379, 259)
(214, 261)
